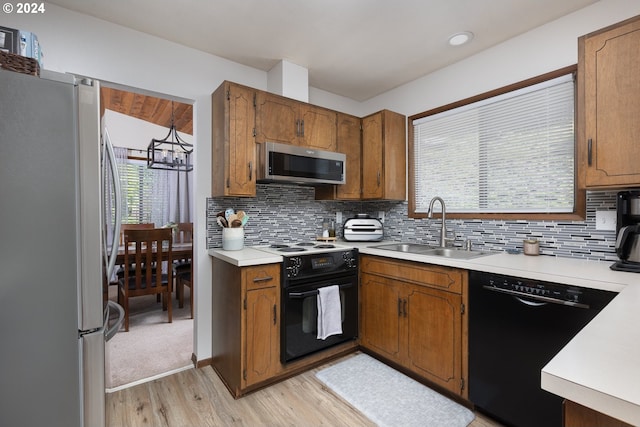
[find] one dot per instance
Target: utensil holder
(232, 238)
(531, 247)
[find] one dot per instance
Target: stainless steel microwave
(300, 165)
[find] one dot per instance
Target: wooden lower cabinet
(413, 315)
(245, 324)
(262, 332)
(576, 415)
(245, 329)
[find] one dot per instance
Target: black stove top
(299, 247)
(302, 248)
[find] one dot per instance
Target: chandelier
(171, 152)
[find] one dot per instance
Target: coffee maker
(628, 231)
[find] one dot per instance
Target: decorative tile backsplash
(286, 213)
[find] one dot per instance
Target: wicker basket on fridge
(19, 64)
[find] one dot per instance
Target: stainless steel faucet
(443, 232)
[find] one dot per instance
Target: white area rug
(390, 398)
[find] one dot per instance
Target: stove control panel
(319, 264)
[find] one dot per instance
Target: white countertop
(599, 368)
(245, 257)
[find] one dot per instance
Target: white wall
(83, 45)
(546, 48)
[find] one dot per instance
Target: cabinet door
(612, 105)
(434, 325)
(372, 157)
(348, 139)
(241, 163)
(394, 156)
(381, 311)
(318, 127)
(262, 338)
(277, 119)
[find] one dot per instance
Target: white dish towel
(329, 312)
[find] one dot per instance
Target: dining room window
(152, 195)
(509, 153)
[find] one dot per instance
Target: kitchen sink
(457, 253)
(405, 247)
(416, 248)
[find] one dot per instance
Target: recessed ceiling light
(459, 39)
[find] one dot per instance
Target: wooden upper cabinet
(372, 166)
(318, 127)
(384, 156)
(349, 143)
(284, 120)
(233, 160)
(609, 105)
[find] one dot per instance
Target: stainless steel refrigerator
(53, 266)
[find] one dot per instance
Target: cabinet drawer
(262, 276)
(433, 276)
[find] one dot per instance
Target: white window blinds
(145, 193)
(511, 153)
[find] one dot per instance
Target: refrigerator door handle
(110, 332)
(111, 157)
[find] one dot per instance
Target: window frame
(579, 209)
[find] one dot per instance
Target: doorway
(152, 347)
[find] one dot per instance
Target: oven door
(300, 317)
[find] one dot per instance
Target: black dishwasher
(515, 327)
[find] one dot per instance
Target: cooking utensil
(243, 217)
(227, 213)
(222, 222)
(236, 223)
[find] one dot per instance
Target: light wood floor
(197, 397)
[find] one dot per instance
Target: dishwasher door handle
(531, 303)
(543, 300)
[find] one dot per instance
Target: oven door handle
(314, 292)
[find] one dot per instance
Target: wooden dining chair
(144, 253)
(182, 267)
(123, 228)
(184, 232)
(182, 280)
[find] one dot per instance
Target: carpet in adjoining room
(152, 346)
(389, 398)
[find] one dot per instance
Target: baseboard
(146, 380)
(201, 363)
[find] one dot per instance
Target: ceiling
(353, 48)
(148, 108)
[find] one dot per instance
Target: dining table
(180, 250)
